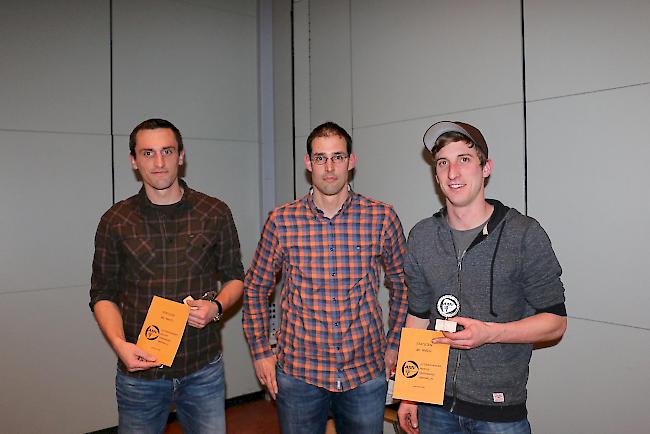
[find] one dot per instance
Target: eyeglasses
(321, 159)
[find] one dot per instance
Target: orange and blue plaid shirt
(331, 332)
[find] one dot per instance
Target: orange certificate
(421, 367)
(163, 329)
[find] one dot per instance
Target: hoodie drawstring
(494, 255)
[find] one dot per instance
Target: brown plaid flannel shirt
(172, 251)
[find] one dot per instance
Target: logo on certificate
(448, 306)
(410, 369)
(421, 367)
(152, 333)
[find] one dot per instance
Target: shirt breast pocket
(199, 250)
(358, 259)
(141, 256)
(306, 265)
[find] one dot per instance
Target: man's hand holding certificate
(163, 329)
(421, 367)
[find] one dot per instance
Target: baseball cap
(439, 128)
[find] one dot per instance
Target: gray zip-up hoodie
(509, 274)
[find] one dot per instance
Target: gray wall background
(567, 138)
(384, 69)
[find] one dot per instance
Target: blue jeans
(143, 405)
(433, 419)
(303, 408)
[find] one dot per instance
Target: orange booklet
(421, 367)
(163, 329)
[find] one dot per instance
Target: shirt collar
(149, 208)
(309, 198)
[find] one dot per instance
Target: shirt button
(338, 349)
(333, 274)
(331, 249)
(336, 324)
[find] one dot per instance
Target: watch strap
(211, 296)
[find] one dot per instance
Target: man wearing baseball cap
(493, 272)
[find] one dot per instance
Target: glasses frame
(337, 158)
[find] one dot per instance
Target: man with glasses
(332, 354)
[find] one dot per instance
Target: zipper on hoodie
(479, 238)
(457, 367)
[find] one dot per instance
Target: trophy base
(443, 325)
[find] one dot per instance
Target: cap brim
(438, 129)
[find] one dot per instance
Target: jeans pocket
(216, 360)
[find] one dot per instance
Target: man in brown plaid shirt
(172, 242)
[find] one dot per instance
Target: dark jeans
(143, 405)
(434, 419)
(303, 408)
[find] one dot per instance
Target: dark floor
(257, 417)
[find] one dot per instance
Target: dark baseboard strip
(112, 430)
(245, 399)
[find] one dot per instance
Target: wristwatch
(211, 296)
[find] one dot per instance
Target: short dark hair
(453, 136)
(329, 129)
(154, 124)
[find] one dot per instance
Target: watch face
(210, 296)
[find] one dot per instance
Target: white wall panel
(416, 59)
(56, 187)
(584, 45)
(392, 167)
(392, 163)
(245, 7)
(283, 111)
(303, 178)
(302, 73)
(58, 372)
(595, 381)
(587, 166)
(55, 73)
(331, 75)
(192, 64)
